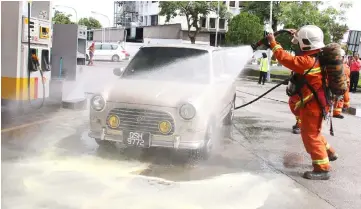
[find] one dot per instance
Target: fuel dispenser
(26, 69)
(68, 58)
(39, 49)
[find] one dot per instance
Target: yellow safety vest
(264, 65)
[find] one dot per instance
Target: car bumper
(190, 140)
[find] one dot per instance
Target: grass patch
(359, 83)
(281, 72)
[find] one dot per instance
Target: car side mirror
(118, 71)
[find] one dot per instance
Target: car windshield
(170, 64)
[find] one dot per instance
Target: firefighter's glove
(285, 82)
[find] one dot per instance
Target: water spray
(263, 44)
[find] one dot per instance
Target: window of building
(203, 22)
(212, 22)
(222, 24)
(241, 4)
(141, 19)
(154, 1)
(146, 20)
(90, 35)
(154, 20)
(232, 4)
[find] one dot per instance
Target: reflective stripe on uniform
(328, 146)
(305, 99)
(346, 103)
(337, 110)
(276, 47)
(321, 162)
(313, 71)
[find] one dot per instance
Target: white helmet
(343, 53)
(309, 37)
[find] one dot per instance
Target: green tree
(262, 10)
(244, 28)
(193, 11)
(61, 18)
(297, 14)
(90, 23)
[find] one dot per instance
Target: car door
(107, 51)
(97, 52)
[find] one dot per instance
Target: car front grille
(142, 120)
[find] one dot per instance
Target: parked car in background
(174, 96)
(109, 51)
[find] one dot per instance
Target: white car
(173, 96)
(109, 51)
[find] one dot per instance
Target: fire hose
(256, 46)
(264, 94)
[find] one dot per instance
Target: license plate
(137, 139)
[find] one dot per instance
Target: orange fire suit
(345, 101)
(296, 111)
(310, 111)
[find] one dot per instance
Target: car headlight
(97, 102)
(187, 111)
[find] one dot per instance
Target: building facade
(133, 15)
(146, 13)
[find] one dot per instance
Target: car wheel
(205, 152)
(228, 119)
(115, 58)
(87, 57)
(104, 143)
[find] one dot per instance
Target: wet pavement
(55, 164)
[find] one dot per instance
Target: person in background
(91, 53)
(263, 69)
(355, 68)
(343, 102)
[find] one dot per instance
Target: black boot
(296, 129)
(317, 175)
(338, 116)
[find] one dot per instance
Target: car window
(97, 46)
(106, 47)
(114, 47)
(171, 64)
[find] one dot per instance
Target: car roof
(190, 46)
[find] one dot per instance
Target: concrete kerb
(355, 108)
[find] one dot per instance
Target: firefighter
(344, 101)
(310, 40)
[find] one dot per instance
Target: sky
(106, 7)
(84, 9)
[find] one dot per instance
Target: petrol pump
(26, 78)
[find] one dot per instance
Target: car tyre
(115, 58)
(104, 143)
(228, 119)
